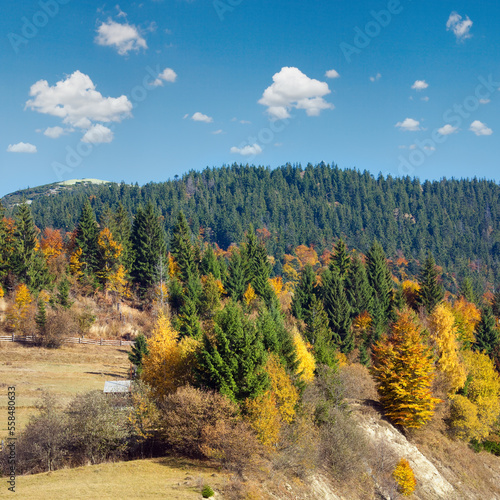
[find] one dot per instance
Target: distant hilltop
(28, 195)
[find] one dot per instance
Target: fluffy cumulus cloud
(293, 89)
(460, 27)
(123, 37)
(375, 78)
(167, 75)
(53, 132)
(21, 147)
(200, 117)
(420, 85)
(249, 150)
(480, 128)
(447, 129)
(76, 101)
(331, 73)
(98, 134)
(409, 125)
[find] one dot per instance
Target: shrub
(404, 477)
(207, 492)
(357, 383)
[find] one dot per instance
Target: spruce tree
(63, 294)
(304, 292)
(41, 318)
(189, 321)
(233, 361)
(380, 280)
(236, 278)
(431, 292)
(87, 233)
(148, 245)
(467, 291)
(319, 334)
(496, 303)
(337, 308)
(359, 292)
(340, 259)
(209, 263)
(138, 351)
(487, 335)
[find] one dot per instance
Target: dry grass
(155, 478)
(65, 372)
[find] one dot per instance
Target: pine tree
(487, 335)
(495, 307)
(236, 284)
(304, 292)
(380, 280)
(403, 372)
(340, 260)
(320, 336)
(359, 293)
(209, 263)
(138, 351)
(87, 233)
(337, 309)
(467, 291)
(233, 361)
(27, 262)
(63, 294)
(431, 292)
(41, 318)
(148, 244)
(189, 322)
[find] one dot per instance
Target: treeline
(456, 220)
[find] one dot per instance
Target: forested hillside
(456, 220)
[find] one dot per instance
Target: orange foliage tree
(404, 477)
(51, 243)
(403, 372)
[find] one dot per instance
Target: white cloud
(293, 89)
(200, 117)
(484, 101)
(167, 75)
(98, 134)
(217, 132)
(54, 132)
(245, 122)
(480, 128)
(375, 78)
(76, 102)
(21, 147)
(331, 73)
(409, 124)
(185, 116)
(461, 28)
(425, 99)
(123, 37)
(447, 129)
(254, 149)
(420, 85)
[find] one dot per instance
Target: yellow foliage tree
(117, 282)
(170, 362)
(467, 316)
(19, 311)
(306, 362)
(249, 296)
(474, 414)
(110, 252)
(277, 285)
(403, 372)
(444, 335)
(75, 263)
(404, 477)
(410, 292)
(2, 293)
(267, 412)
(51, 243)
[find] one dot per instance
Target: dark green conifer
(467, 291)
(189, 321)
(304, 292)
(487, 334)
(210, 264)
(359, 292)
(148, 245)
(337, 308)
(236, 283)
(41, 318)
(340, 259)
(431, 291)
(87, 233)
(138, 351)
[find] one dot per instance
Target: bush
(207, 492)
(357, 383)
(60, 324)
(185, 414)
(99, 430)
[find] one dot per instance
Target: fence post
(13, 338)
(100, 340)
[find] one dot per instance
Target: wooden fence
(68, 340)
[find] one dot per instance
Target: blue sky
(142, 91)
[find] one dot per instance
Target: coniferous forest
(267, 294)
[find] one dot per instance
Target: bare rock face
(382, 434)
